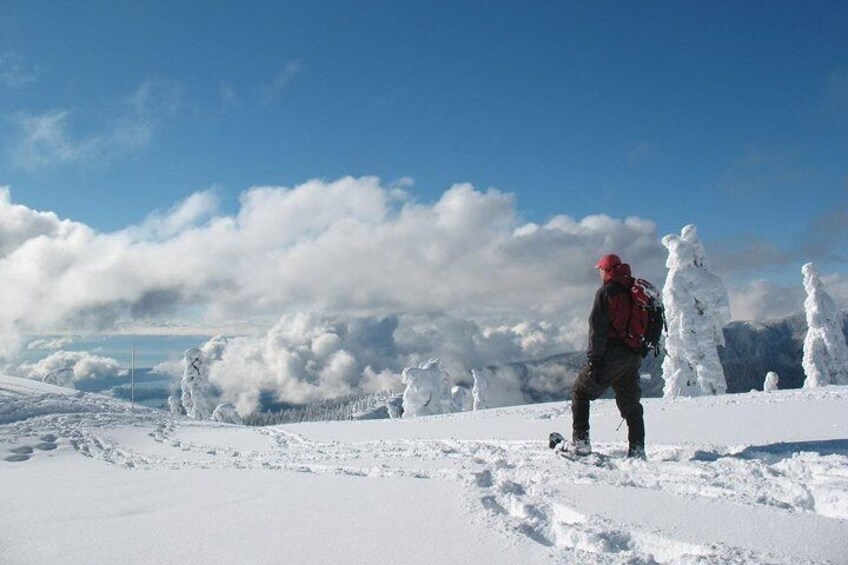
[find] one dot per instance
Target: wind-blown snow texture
(697, 308)
(477, 487)
(825, 352)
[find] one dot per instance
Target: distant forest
(355, 406)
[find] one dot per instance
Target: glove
(596, 364)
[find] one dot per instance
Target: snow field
(753, 478)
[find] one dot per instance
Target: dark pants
(621, 372)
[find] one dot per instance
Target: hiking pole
(619, 424)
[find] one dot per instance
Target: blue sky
(729, 115)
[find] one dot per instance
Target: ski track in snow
(515, 487)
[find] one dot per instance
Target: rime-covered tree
(175, 406)
(825, 352)
(697, 308)
(480, 391)
(425, 390)
(461, 399)
(770, 384)
(195, 386)
(60, 377)
(227, 413)
(394, 407)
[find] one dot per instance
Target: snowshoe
(580, 447)
(555, 439)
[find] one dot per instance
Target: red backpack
(647, 318)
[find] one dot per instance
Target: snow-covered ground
(751, 478)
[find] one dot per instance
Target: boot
(581, 447)
(636, 451)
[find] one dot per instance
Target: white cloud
(49, 139)
(44, 140)
(47, 344)
(282, 80)
(14, 73)
(306, 357)
(359, 280)
(191, 212)
(84, 365)
(761, 300)
(350, 247)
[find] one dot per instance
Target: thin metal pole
(132, 377)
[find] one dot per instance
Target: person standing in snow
(611, 362)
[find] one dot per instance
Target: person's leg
(628, 394)
(588, 386)
(636, 427)
(580, 398)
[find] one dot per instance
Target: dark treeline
(348, 407)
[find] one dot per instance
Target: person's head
(607, 266)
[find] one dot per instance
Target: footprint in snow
(22, 453)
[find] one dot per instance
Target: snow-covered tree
(461, 399)
(195, 386)
(480, 391)
(394, 406)
(425, 389)
(175, 406)
(825, 352)
(60, 377)
(697, 308)
(227, 413)
(771, 382)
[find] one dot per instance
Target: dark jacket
(610, 314)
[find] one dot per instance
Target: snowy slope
(751, 478)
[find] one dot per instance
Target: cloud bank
(83, 364)
(358, 280)
(349, 247)
(307, 357)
